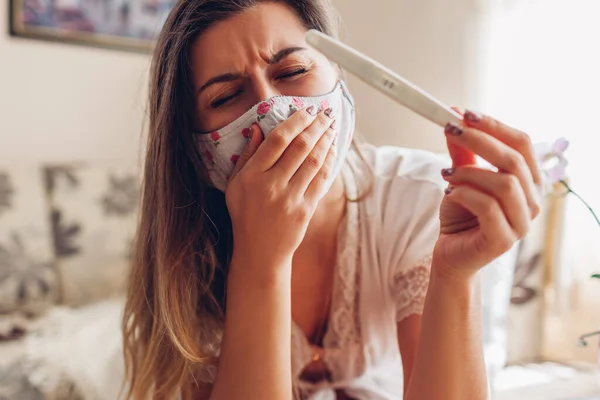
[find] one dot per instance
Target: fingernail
(311, 110)
(448, 190)
(334, 142)
(472, 116)
(453, 130)
(328, 112)
(333, 124)
(447, 171)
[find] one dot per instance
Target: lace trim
(410, 289)
(343, 350)
(345, 334)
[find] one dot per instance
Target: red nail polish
(453, 130)
(472, 116)
(447, 171)
(448, 190)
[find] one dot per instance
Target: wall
(62, 102)
(431, 43)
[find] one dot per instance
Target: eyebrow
(229, 77)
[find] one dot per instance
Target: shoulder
(401, 207)
(402, 218)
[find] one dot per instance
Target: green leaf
(596, 276)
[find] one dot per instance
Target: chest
(332, 325)
(313, 277)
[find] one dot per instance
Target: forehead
(258, 32)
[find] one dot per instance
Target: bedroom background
(71, 130)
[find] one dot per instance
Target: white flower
(552, 161)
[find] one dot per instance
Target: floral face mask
(221, 149)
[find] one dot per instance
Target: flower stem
(570, 190)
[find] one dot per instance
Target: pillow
(93, 212)
(28, 279)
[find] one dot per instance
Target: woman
(277, 258)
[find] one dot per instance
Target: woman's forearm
(255, 359)
(449, 364)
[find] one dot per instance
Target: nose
(264, 88)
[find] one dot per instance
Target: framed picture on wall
(119, 24)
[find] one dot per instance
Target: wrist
(461, 290)
(453, 276)
(265, 269)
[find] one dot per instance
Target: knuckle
(278, 138)
(325, 174)
(509, 183)
(303, 213)
(522, 140)
(313, 161)
(514, 161)
(301, 144)
(297, 211)
(271, 194)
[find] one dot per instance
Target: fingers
(317, 166)
(460, 156)
(504, 188)
(280, 138)
(319, 185)
(504, 157)
(512, 137)
(255, 139)
(496, 233)
(302, 146)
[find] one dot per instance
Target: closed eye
(224, 100)
(297, 72)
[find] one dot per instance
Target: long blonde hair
(177, 282)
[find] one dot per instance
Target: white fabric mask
(221, 149)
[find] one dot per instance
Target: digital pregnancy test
(383, 79)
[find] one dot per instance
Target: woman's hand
(485, 212)
(277, 184)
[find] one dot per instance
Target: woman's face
(250, 57)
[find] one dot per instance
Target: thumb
(254, 140)
(459, 155)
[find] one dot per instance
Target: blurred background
(73, 87)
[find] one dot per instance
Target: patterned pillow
(28, 279)
(93, 217)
